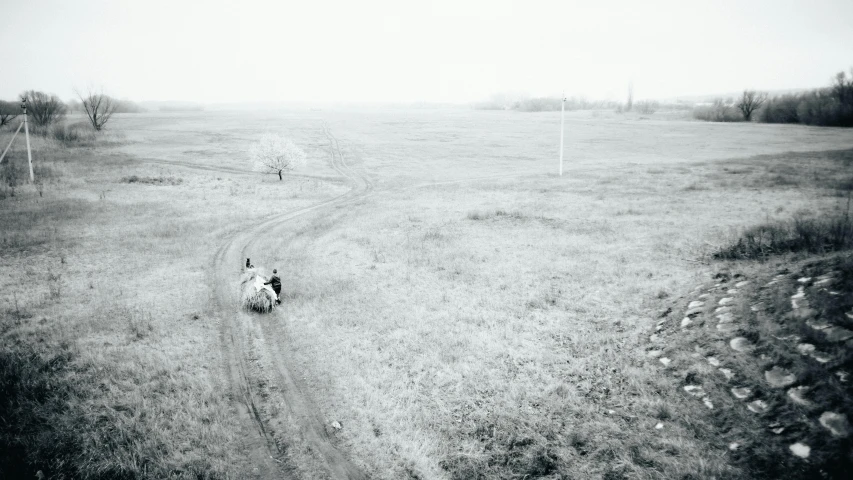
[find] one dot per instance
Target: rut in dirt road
(245, 375)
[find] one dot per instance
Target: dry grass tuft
(159, 181)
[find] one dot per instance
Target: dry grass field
(453, 309)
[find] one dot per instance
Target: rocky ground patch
(767, 349)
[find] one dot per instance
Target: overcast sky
(440, 50)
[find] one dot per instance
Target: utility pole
(562, 115)
(27, 134)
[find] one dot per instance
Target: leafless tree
(44, 108)
(749, 102)
(98, 106)
(8, 112)
(275, 154)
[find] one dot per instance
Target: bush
(781, 109)
(813, 235)
(720, 111)
(44, 109)
(69, 135)
(8, 112)
(827, 107)
(647, 107)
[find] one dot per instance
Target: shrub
(157, 181)
(647, 107)
(45, 109)
(814, 235)
(69, 135)
(8, 112)
(719, 111)
(782, 109)
(829, 107)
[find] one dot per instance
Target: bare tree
(8, 112)
(749, 102)
(275, 154)
(98, 106)
(44, 108)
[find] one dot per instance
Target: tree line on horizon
(46, 109)
(830, 106)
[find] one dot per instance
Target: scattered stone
(685, 322)
(695, 304)
(731, 291)
(734, 446)
(777, 430)
(727, 327)
(804, 313)
(795, 298)
(787, 338)
(695, 390)
(797, 394)
(838, 334)
(758, 406)
(801, 450)
(742, 284)
(805, 348)
(713, 361)
(804, 279)
(708, 403)
(842, 376)
(836, 423)
(665, 361)
(726, 301)
(822, 282)
(849, 315)
(654, 338)
(821, 357)
(659, 426)
(726, 317)
(778, 377)
(659, 328)
(742, 392)
(727, 372)
(654, 353)
(756, 307)
(771, 283)
(722, 309)
(739, 344)
(336, 425)
(705, 295)
(694, 311)
(818, 324)
(833, 292)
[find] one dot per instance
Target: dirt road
(244, 374)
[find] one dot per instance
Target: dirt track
(243, 375)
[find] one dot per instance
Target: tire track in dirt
(243, 374)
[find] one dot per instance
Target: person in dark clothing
(276, 286)
(249, 264)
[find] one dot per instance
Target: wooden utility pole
(562, 115)
(27, 134)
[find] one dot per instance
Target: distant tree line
(46, 109)
(541, 104)
(830, 106)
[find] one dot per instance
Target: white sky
(441, 50)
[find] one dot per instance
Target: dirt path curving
(243, 375)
